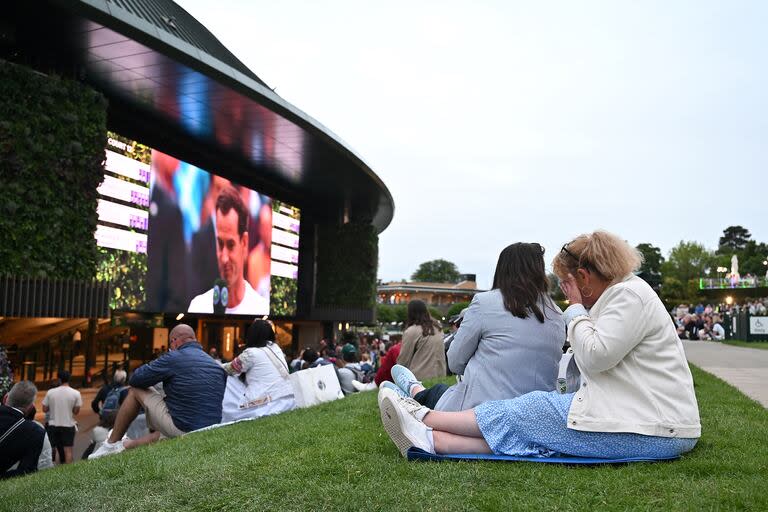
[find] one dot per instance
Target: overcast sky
(497, 122)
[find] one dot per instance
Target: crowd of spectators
(706, 322)
(160, 401)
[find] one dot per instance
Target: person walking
(62, 403)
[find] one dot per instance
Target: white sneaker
(107, 448)
(402, 421)
(359, 386)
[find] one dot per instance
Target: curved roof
(174, 86)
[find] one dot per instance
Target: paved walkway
(86, 420)
(744, 368)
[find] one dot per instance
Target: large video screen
(177, 238)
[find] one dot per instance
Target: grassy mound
(338, 457)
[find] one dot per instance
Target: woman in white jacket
(636, 397)
(263, 387)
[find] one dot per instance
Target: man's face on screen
(231, 248)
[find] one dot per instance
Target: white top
(267, 390)
(252, 303)
(718, 332)
(61, 400)
(635, 377)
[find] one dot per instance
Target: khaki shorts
(158, 417)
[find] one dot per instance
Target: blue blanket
(418, 454)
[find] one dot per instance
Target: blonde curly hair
(602, 252)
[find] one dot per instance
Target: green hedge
(347, 258)
(52, 133)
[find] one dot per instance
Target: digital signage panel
(177, 238)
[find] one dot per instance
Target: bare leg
(463, 423)
(445, 442)
(128, 411)
(67, 455)
(147, 439)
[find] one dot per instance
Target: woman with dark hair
(509, 343)
(636, 397)
(422, 349)
(263, 387)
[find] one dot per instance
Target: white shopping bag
(315, 385)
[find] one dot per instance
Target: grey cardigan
(502, 356)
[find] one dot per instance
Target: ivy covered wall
(347, 260)
(52, 133)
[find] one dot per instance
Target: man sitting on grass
(21, 439)
(193, 384)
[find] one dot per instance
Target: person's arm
(240, 364)
(408, 347)
(78, 404)
(28, 463)
(98, 399)
(45, 460)
(599, 345)
(152, 373)
(467, 338)
(45, 403)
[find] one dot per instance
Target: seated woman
(422, 349)
(263, 387)
(636, 397)
(509, 343)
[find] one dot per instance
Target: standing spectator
(193, 384)
(21, 439)
(423, 351)
(63, 403)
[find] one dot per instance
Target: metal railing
(714, 283)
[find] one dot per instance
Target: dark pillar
(90, 349)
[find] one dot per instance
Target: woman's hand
(571, 290)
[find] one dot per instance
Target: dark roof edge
(146, 33)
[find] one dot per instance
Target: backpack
(361, 375)
(112, 402)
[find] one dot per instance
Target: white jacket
(635, 377)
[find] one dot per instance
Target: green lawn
(751, 344)
(338, 457)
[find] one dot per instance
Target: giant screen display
(177, 238)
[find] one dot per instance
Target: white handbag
(315, 385)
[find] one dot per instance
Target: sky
(498, 122)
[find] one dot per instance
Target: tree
(554, 287)
(437, 271)
(650, 270)
(456, 309)
(734, 239)
(687, 262)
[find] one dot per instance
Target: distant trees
(437, 271)
(734, 239)
(650, 270)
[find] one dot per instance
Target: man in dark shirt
(193, 384)
(21, 440)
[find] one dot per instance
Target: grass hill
(338, 457)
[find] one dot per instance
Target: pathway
(744, 368)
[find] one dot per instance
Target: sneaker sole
(390, 418)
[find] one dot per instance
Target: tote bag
(315, 385)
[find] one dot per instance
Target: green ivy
(51, 162)
(347, 258)
(282, 296)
